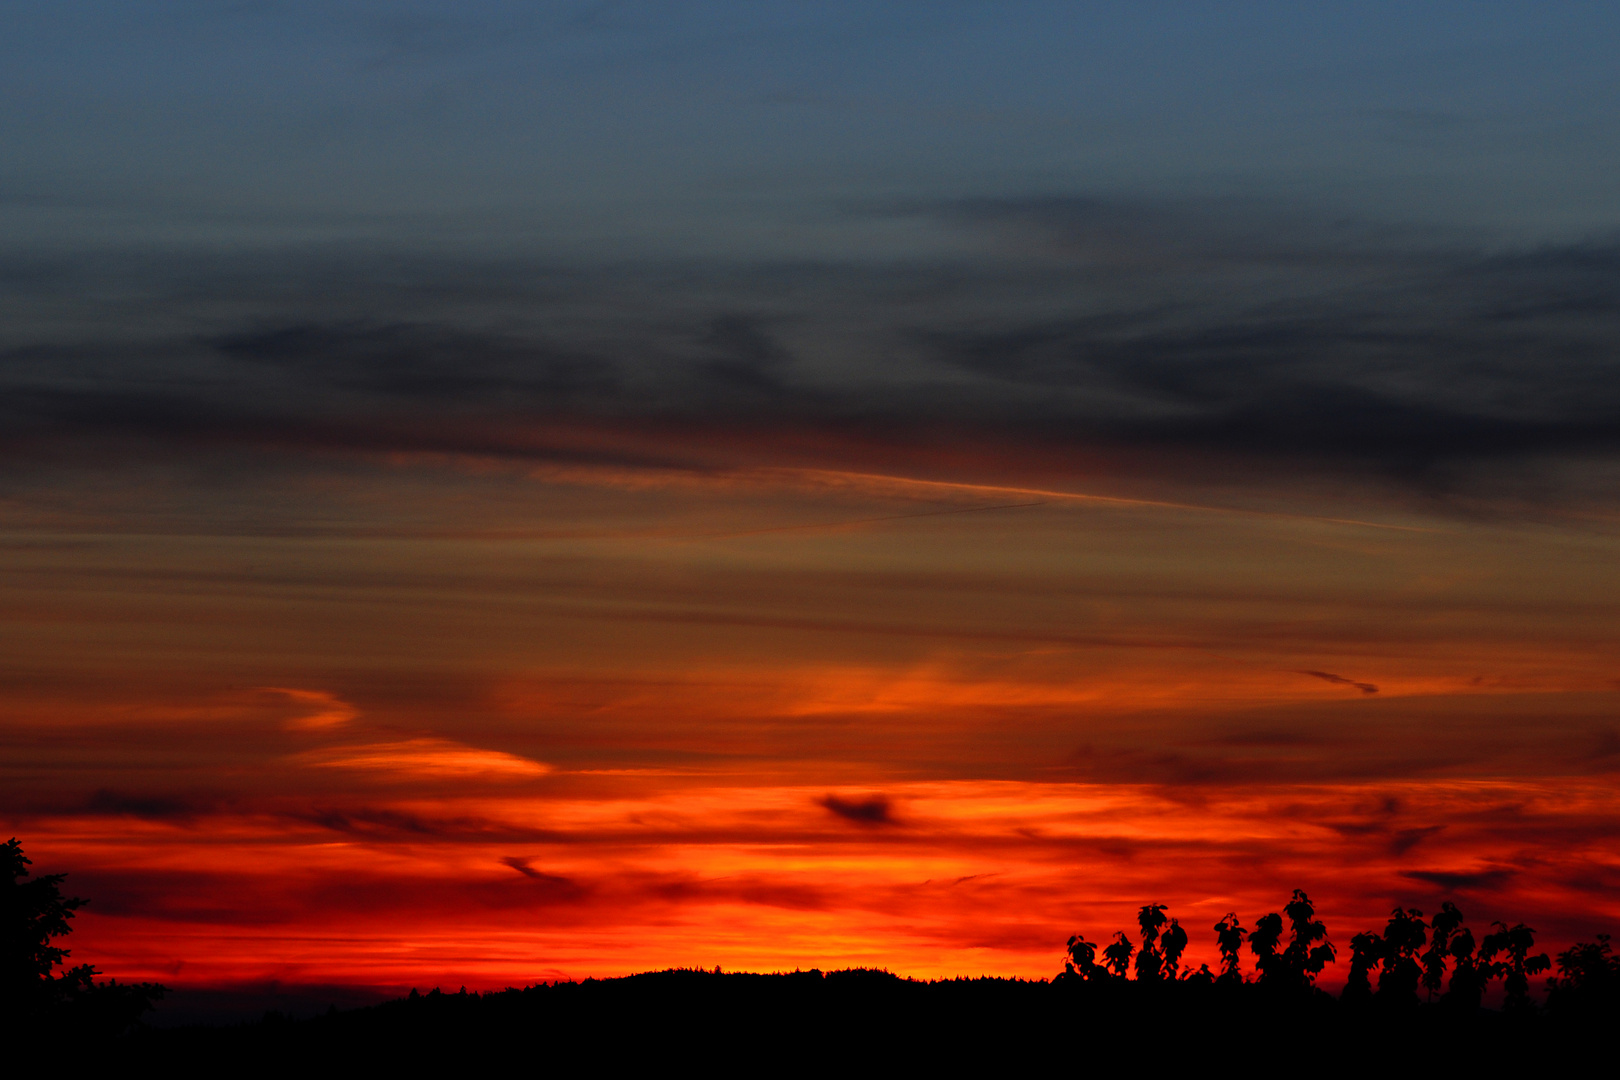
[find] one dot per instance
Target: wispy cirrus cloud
(326, 711)
(423, 758)
(1340, 680)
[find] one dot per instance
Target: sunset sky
(503, 492)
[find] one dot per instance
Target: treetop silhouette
(1447, 922)
(1291, 948)
(1308, 950)
(1404, 936)
(1588, 978)
(1117, 956)
(1162, 945)
(1517, 965)
(1229, 935)
(33, 914)
(1082, 959)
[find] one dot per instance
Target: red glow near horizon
(483, 727)
(961, 877)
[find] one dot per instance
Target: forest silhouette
(1418, 988)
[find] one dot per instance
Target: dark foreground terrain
(862, 1021)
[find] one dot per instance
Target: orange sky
(494, 491)
(419, 720)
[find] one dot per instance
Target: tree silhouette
(1589, 978)
(1291, 948)
(1445, 923)
(1308, 950)
(1468, 975)
(1082, 961)
(1159, 960)
(1404, 935)
(32, 915)
(1263, 942)
(1404, 968)
(1229, 935)
(1118, 955)
(1366, 953)
(1150, 961)
(1517, 965)
(1203, 976)
(1172, 943)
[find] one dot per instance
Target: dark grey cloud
(1605, 746)
(388, 825)
(1190, 333)
(521, 865)
(873, 810)
(416, 362)
(375, 822)
(1328, 676)
(1407, 839)
(1460, 881)
(152, 807)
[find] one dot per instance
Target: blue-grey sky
(773, 129)
(1379, 237)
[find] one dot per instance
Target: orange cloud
(329, 711)
(424, 759)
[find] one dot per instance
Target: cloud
(1407, 839)
(330, 711)
(372, 822)
(1273, 739)
(1327, 676)
(521, 865)
(1180, 767)
(151, 807)
(416, 360)
(1606, 745)
(424, 759)
(1270, 338)
(386, 823)
(1463, 881)
(872, 810)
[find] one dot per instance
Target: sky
(506, 492)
